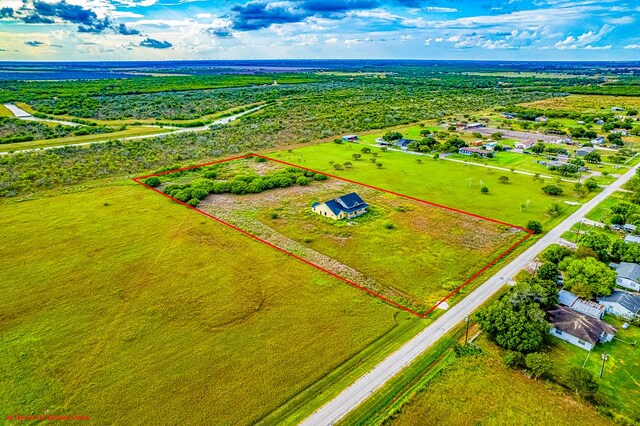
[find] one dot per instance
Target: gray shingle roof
(629, 270)
(347, 203)
(581, 326)
(627, 300)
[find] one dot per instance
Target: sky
(539, 30)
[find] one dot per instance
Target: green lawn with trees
(445, 182)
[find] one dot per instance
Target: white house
(578, 329)
(581, 306)
(622, 304)
(628, 275)
(524, 145)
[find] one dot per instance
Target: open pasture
(409, 252)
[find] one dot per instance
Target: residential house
(628, 275)
(490, 145)
(632, 239)
(344, 207)
(579, 122)
(622, 304)
(599, 122)
(578, 329)
(581, 306)
(508, 115)
(542, 119)
(524, 145)
(350, 138)
(598, 141)
(584, 151)
(562, 158)
(403, 143)
(620, 132)
(472, 150)
(629, 228)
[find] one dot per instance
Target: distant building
(584, 151)
(579, 122)
(598, 141)
(617, 109)
(524, 145)
(620, 132)
(627, 227)
(350, 138)
(472, 150)
(403, 143)
(581, 306)
(344, 207)
(479, 142)
(628, 275)
(599, 122)
(578, 329)
(474, 125)
(508, 115)
(542, 119)
(632, 239)
(622, 304)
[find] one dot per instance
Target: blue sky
(260, 29)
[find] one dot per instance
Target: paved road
(24, 115)
(355, 394)
(220, 122)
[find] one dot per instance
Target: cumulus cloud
(155, 44)
(43, 12)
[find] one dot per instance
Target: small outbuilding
(350, 138)
(581, 306)
(344, 207)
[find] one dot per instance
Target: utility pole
(466, 337)
(579, 228)
(604, 358)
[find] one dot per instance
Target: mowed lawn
(482, 391)
(620, 382)
(124, 306)
(440, 181)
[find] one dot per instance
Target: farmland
(587, 103)
(109, 343)
(421, 241)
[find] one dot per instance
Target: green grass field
(620, 382)
(481, 390)
(4, 112)
(440, 181)
(123, 300)
(410, 252)
(132, 131)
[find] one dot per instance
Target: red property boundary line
(529, 232)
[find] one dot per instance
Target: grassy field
(620, 382)
(123, 300)
(481, 390)
(587, 103)
(4, 112)
(410, 252)
(440, 181)
(132, 131)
